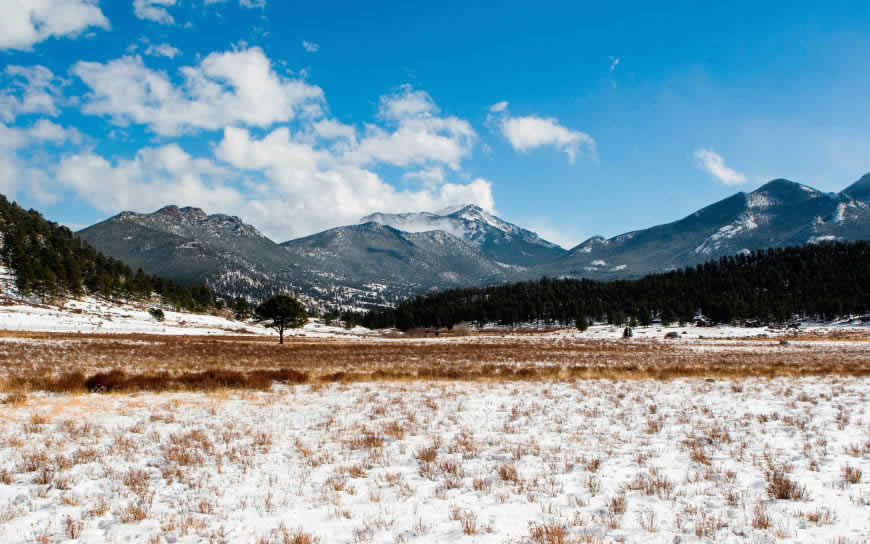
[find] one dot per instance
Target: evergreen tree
(48, 260)
(281, 312)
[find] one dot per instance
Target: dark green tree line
(825, 281)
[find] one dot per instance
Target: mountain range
(388, 257)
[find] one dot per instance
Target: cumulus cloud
(162, 50)
(154, 10)
(325, 189)
(24, 23)
(300, 172)
(310, 47)
(407, 103)
(145, 182)
(419, 134)
(712, 162)
(28, 90)
(40, 132)
(18, 173)
(232, 88)
(529, 132)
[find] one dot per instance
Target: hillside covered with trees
(48, 260)
(773, 285)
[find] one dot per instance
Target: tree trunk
(280, 335)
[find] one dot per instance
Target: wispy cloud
(310, 47)
(712, 162)
(162, 50)
(614, 62)
(154, 10)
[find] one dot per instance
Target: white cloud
(713, 163)
(417, 142)
(43, 131)
(233, 88)
(307, 172)
(420, 135)
(157, 10)
(614, 62)
(28, 90)
(429, 177)
(244, 3)
(529, 132)
(407, 103)
(156, 176)
(162, 50)
(17, 173)
(310, 47)
(24, 23)
(154, 10)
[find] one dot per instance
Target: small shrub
(548, 533)
(427, 455)
(760, 517)
(851, 474)
(157, 314)
(73, 528)
(780, 486)
(508, 473)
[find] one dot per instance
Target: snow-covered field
(542, 462)
(488, 437)
(91, 315)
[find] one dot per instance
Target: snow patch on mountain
(745, 222)
(823, 238)
(758, 201)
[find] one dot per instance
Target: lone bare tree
(281, 312)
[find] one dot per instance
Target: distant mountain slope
(190, 246)
(495, 237)
(780, 213)
(391, 256)
(860, 190)
(380, 260)
(47, 260)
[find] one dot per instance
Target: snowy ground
(91, 315)
(540, 462)
(545, 459)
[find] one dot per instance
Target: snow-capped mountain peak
(493, 236)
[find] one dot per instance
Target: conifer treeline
(49, 260)
(826, 281)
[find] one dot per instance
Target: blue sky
(570, 118)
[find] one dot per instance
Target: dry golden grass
(64, 362)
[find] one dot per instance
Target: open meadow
(528, 438)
